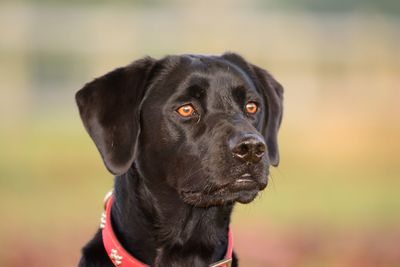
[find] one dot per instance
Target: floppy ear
(109, 108)
(273, 95)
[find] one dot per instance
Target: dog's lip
(243, 189)
(244, 178)
(240, 184)
(245, 183)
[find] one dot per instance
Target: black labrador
(186, 137)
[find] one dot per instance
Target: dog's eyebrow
(239, 94)
(197, 87)
(198, 81)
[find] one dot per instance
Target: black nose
(249, 148)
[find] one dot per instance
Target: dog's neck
(157, 227)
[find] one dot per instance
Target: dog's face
(205, 126)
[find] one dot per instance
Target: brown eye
(186, 110)
(251, 107)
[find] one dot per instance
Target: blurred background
(333, 201)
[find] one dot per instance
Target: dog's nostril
(260, 149)
(241, 150)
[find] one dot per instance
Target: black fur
(179, 177)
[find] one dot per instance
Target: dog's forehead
(182, 77)
(208, 72)
(217, 70)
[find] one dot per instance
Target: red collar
(121, 258)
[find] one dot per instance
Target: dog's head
(205, 126)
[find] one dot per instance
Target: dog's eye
(186, 110)
(251, 107)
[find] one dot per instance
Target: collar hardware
(117, 259)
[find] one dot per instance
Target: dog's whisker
(194, 173)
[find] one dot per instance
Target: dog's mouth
(242, 190)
